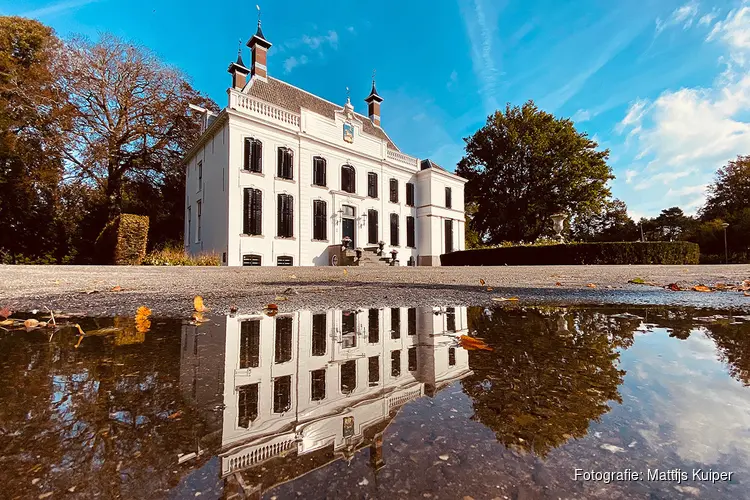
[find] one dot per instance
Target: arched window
(347, 179)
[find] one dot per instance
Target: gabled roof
(294, 99)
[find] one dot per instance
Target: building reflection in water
(314, 387)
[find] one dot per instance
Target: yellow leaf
(117, 288)
(199, 318)
(503, 299)
(280, 298)
(481, 282)
(7, 322)
(346, 272)
(31, 323)
(701, 288)
(142, 321)
(198, 304)
(489, 288)
(591, 285)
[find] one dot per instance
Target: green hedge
(123, 240)
(652, 252)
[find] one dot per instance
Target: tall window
(395, 363)
(250, 344)
(285, 216)
(348, 180)
(200, 209)
(373, 326)
(253, 155)
(320, 220)
(394, 230)
(190, 225)
(451, 356)
(373, 369)
(247, 405)
(410, 194)
(372, 226)
(412, 359)
(283, 347)
(395, 322)
(394, 191)
(253, 217)
(319, 171)
(282, 394)
(410, 232)
(318, 384)
(319, 332)
(348, 376)
(448, 235)
(411, 321)
(200, 175)
(372, 184)
(348, 329)
(285, 168)
(448, 198)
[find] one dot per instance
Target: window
(285, 216)
(373, 326)
(284, 261)
(319, 171)
(411, 321)
(410, 233)
(372, 226)
(285, 168)
(412, 355)
(451, 356)
(448, 235)
(200, 207)
(250, 344)
(372, 184)
(253, 155)
(410, 194)
(318, 384)
(394, 191)
(319, 331)
(253, 217)
(450, 319)
(448, 198)
(395, 363)
(395, 323)
(251, 260)
(189, 225)
(348, 377)
(247, 405)
(348, 179)
(394, 230)
(373, 369)
(320, 220)
(282, 394)
(348, 329)
(200, 175)
(283, 347)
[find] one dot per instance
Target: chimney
(238, 71)
(373, 104)
(259, 46)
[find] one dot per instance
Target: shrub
(654, 252)
(123, 240)
(170, 256)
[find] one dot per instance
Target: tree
(612, 223)
(730, 192)
(131, 122)
(523, 166)
(32, 117)
(672, 223)
(472, 238)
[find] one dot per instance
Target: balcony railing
(255, 106)
(402, 158)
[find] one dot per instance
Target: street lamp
(726, 252)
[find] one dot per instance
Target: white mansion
(282, 177)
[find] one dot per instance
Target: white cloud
(292, 62)
(452, 79)
(684, 15)
(663, 178)
(56, 8)
(350, 29)
(707, 19)
(734, 31)
(636, 111)
(331, 39)
(481, 27)
(582, 115)
(687, 190)
(630, 175)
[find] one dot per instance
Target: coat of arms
(348, 426)
(349, 132)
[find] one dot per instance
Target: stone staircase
(370, 258)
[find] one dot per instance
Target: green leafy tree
(672, 224)
(612, 223)
(523, 166)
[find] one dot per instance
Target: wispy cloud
(662, 178)
(582, 115)
(684, 15)
(57, 8)
(452, 79)
(292, 62)
(630, 175)
(480, 19)
(330, 39)
(310, 47)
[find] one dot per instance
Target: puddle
(382, 403)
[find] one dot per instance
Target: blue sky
(663, 84)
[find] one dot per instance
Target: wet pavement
(507, 401)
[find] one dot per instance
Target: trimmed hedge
(651, 252)
(123, 240)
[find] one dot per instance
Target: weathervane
(258, 7)
(239, 47)
(347, 95)
(373, 78)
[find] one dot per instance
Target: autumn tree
(131, 123)
(523, 166)
(611, 223)
(32, 119)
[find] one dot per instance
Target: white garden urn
(558, 220)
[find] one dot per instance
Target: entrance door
(448, 235)
(348, 230)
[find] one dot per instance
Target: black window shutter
(372, 185)
(247, 211)
(280, 216)
(256, 164)
(257, 212)
(280, 164)
(394, 229)
(247, 153)
(394, 191)
(410, 232)
(372, 226)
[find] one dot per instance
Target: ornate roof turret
(374, 96)
(258, 38)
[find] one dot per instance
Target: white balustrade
(402, 158)
(269, 111)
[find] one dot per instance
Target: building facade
(281, 177)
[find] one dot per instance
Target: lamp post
(726, 251)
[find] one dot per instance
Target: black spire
(374, 96)
(258, 38)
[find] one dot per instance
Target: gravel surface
(169, 290)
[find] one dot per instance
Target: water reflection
(252, 405)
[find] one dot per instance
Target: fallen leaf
(5, 312)
(233, 309)
(293, 276)
(198, 318)
(637, 281)
(503, 299)
(558, 284)
(176, 414)
(471, 344)
(31, 323)
(280, 298)
(591, 285)
(481, 282)
(489, 288)
(142, 321)
(674, 287)
(198, 304)
(80, 330)
(346, 272)
(701, 288)
(7, 322)
(117, 288)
